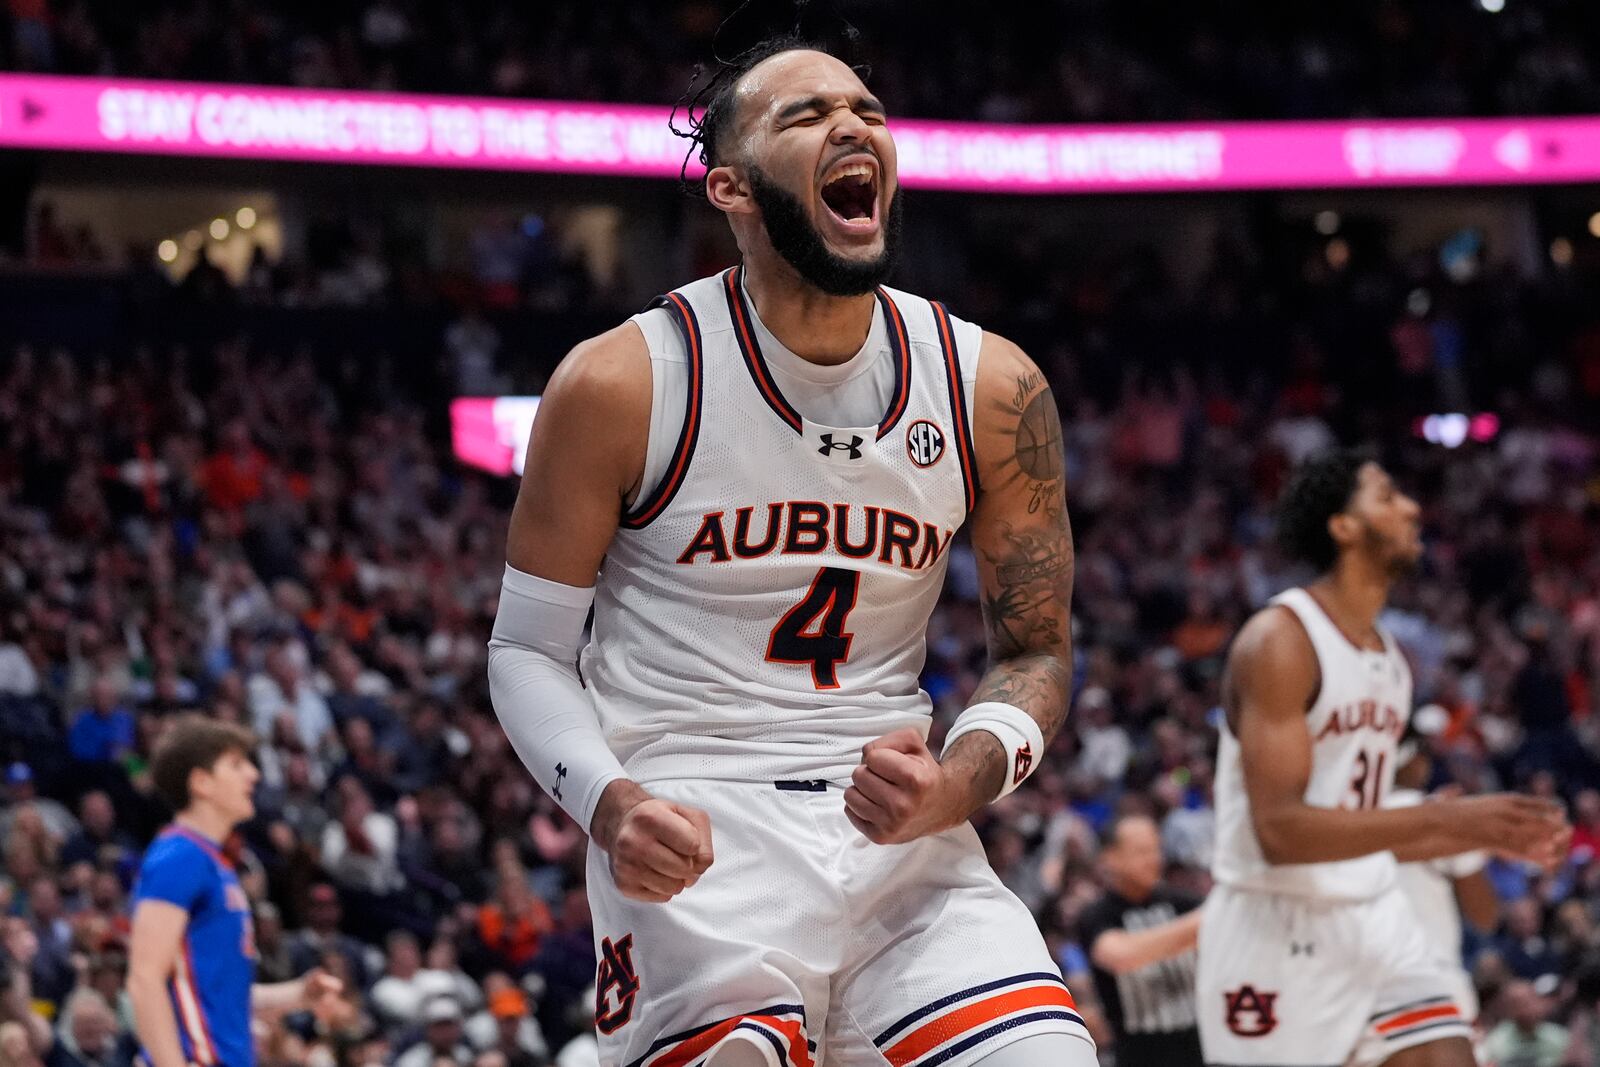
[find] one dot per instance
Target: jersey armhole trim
(647, 509)
(965, 451)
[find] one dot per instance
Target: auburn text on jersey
(811, 527)
(1363, 715)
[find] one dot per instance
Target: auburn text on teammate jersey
(1364, 715)
(810, 527)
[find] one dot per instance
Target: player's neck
(205, 820)
(813, 325)
(1354, 595)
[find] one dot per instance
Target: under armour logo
(561, 772)
(1301, 948)
(830, 446)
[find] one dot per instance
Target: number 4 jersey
(1356, 721)
(762, 611)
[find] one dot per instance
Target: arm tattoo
(1027, 610)
(1036, 456)
(1026, 617)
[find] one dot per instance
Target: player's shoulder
(1001, 361)
(608, 374)
(1273, 633)
(175, 869)
(1272, 658)
(177, 852)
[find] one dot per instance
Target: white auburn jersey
(761, 613)
(1356, 723)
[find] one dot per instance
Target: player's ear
(1342, 528)
(199, 781)
(728, 190)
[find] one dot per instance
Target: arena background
(238, 296)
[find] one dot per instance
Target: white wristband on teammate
(1018, 732)
(538, 696)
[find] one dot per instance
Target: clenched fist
(657, 848)
(1513, 825)
(900, 792)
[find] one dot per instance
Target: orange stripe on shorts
(685, 1052)
(931, 1035)
(1421, 1015)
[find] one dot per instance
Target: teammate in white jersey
(1310, 956)
(765, 471)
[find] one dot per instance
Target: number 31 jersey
(1355, 722)
(762, 611)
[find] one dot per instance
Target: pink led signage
(254, 122)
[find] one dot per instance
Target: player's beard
(795, 239)
(1395, 556)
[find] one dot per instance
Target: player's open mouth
(851, 196)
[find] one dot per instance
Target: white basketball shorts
(1286, 981)
(819, 947)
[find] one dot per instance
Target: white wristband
(1018, 732)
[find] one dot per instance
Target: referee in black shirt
(1141, 937)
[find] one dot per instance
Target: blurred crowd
(283, 540)
(1069, 60)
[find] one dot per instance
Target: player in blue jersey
(192, 956)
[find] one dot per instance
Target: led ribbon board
(257, 122)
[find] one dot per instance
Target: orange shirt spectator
(231, 476)
(512, 924)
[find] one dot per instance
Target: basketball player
(766, 470)
(191, 955)
(1309, 952)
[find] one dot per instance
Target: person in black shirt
(1141, 941)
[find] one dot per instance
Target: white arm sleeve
(542, 705)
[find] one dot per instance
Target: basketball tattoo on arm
(1029, 559)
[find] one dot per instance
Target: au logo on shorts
(1250, 1011)
(615, 976)
(924, 443)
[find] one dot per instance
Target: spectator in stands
(512, 923)
(103, 732)
(274, 960)
(507, 1025)
(1527, 1037)
(399, 995)
(90, 1036)
(321, 935)
(22, 801)
(360, 851)
(18, 675)
(1523, 944)
(98, 839)
(441, 1037)
(24, 1035)
(280, 694)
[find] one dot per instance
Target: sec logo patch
(924, 443)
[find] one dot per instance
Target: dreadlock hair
(708, 105)
(1319, 489)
